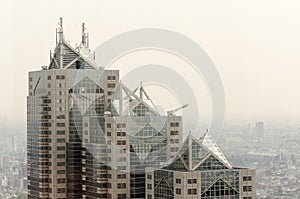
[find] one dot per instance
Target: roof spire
(61, 24)
(60, 30)
(60, 41)
(83, 36)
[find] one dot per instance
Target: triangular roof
(70, 57)
(127, 102)
(67, 57)
(219, 188)
(199, 154)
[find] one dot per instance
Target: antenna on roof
(60, 34)
(60, 30)
(83, 37)
(60, 24)
(87, 40)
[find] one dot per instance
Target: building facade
(89, 136)
(200, 170)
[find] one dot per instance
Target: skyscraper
(89, 136)
(260, 129)
(54, 121)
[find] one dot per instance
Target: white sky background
(255, 45)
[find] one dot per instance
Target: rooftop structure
(200, 170)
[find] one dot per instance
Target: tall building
(89, 136)
(260, 129)
(59, 96)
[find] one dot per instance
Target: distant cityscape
(273, 153)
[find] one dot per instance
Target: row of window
(111, 77)
(174, 132)
(174, 124)
(247, 188)
(119, 125)
(190, 191)
(190, 181)
(247, 178)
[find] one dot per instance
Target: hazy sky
(254, 44)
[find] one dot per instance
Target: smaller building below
(200, 170)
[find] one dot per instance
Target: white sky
(254, 44)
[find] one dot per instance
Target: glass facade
(200, 170)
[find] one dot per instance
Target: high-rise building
(59, 96)
(89, 136)
(260, 129)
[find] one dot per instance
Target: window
(178, 191)
(111, 77)
(149, 186)
(61, 171)
(61, 190)
(108, 133)
(247, 188)
(174, 124)
(61, 155)
(192, 181)
(60, 125)
(149, 196)
(60, 77)
(61, 163)
(49, 78)
(60, 140)
(60, 117)
(192, 191)
(122, 159)
(61, 180)
(122, 196)
(121, 142)
(174, 141)
(121, 134)
(247, 178)
(178, 181)
(111, 85)
(121, 185)
(108, 125)
(149, 177)
(49, 85)
(121, 176)
(174, 132)
(60, 132)
(121, 167)
(121, 125)
(61, 148)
